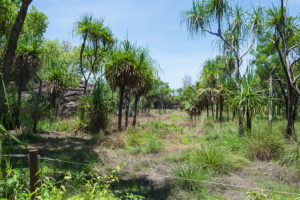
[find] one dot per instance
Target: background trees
(283, 32)
(11, 43)
(130, 69)
(233, 27)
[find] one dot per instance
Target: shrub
(265, 146)
(99, 104)
(291, 156)
(212, 159)
(192, 172)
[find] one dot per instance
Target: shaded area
(64, 147)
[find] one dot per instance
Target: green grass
(140, 141)
(48, 125)
(222, 150)
(149, 137)
(177, 116)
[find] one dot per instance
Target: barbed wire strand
(160, 175)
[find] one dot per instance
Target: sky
(151, 23)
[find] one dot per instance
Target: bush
(193, 172)
(291, 156)
(212, 159)
(99, 103)
(265, 146)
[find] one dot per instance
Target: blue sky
(151, 23)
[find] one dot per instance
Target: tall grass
(149, 137)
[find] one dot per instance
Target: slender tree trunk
(120, 108)
(19, 106)
(249, 123)
(290, 131)
(54, 103)
(11, 48)
(136, 99)
(295, 107)
(240, 113)
(36, 114)
(207, 111)
(127, 108)
(233, 114)
(271, 99)
(217, 110)
(82, 110)
(227, 112)
(221, 108)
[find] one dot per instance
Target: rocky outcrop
(70, 101)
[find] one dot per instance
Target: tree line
(271, 81)
(123, 75)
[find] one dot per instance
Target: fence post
(34, 168)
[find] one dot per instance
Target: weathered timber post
(34, 168)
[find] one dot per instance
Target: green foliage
(72, 186)
(8, 10)
(249, 97)
(49, 125)
(142, 141)
(32, 35)
(99, 104)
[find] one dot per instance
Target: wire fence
(160, 175)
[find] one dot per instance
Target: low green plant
(71, 186)
(49, 125)
(140, 141)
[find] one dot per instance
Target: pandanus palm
(121, 71)
(96, 40)
(147, 73)
(248, 98)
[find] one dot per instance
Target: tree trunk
(271, 98)
(295, 108)
(36, 114)
(207, 111)
(221, 109)
(54, 103)
(127, 108)
(120, 108)
(290, 131)
(212, 110)
(18, 106)
(136, 99)
(82, 110)
(240, 113)
(11, 48)
(217, 110)
(233, 114)
(249, 123)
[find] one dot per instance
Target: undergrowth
(69, 186)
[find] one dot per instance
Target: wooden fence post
(34, 168)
